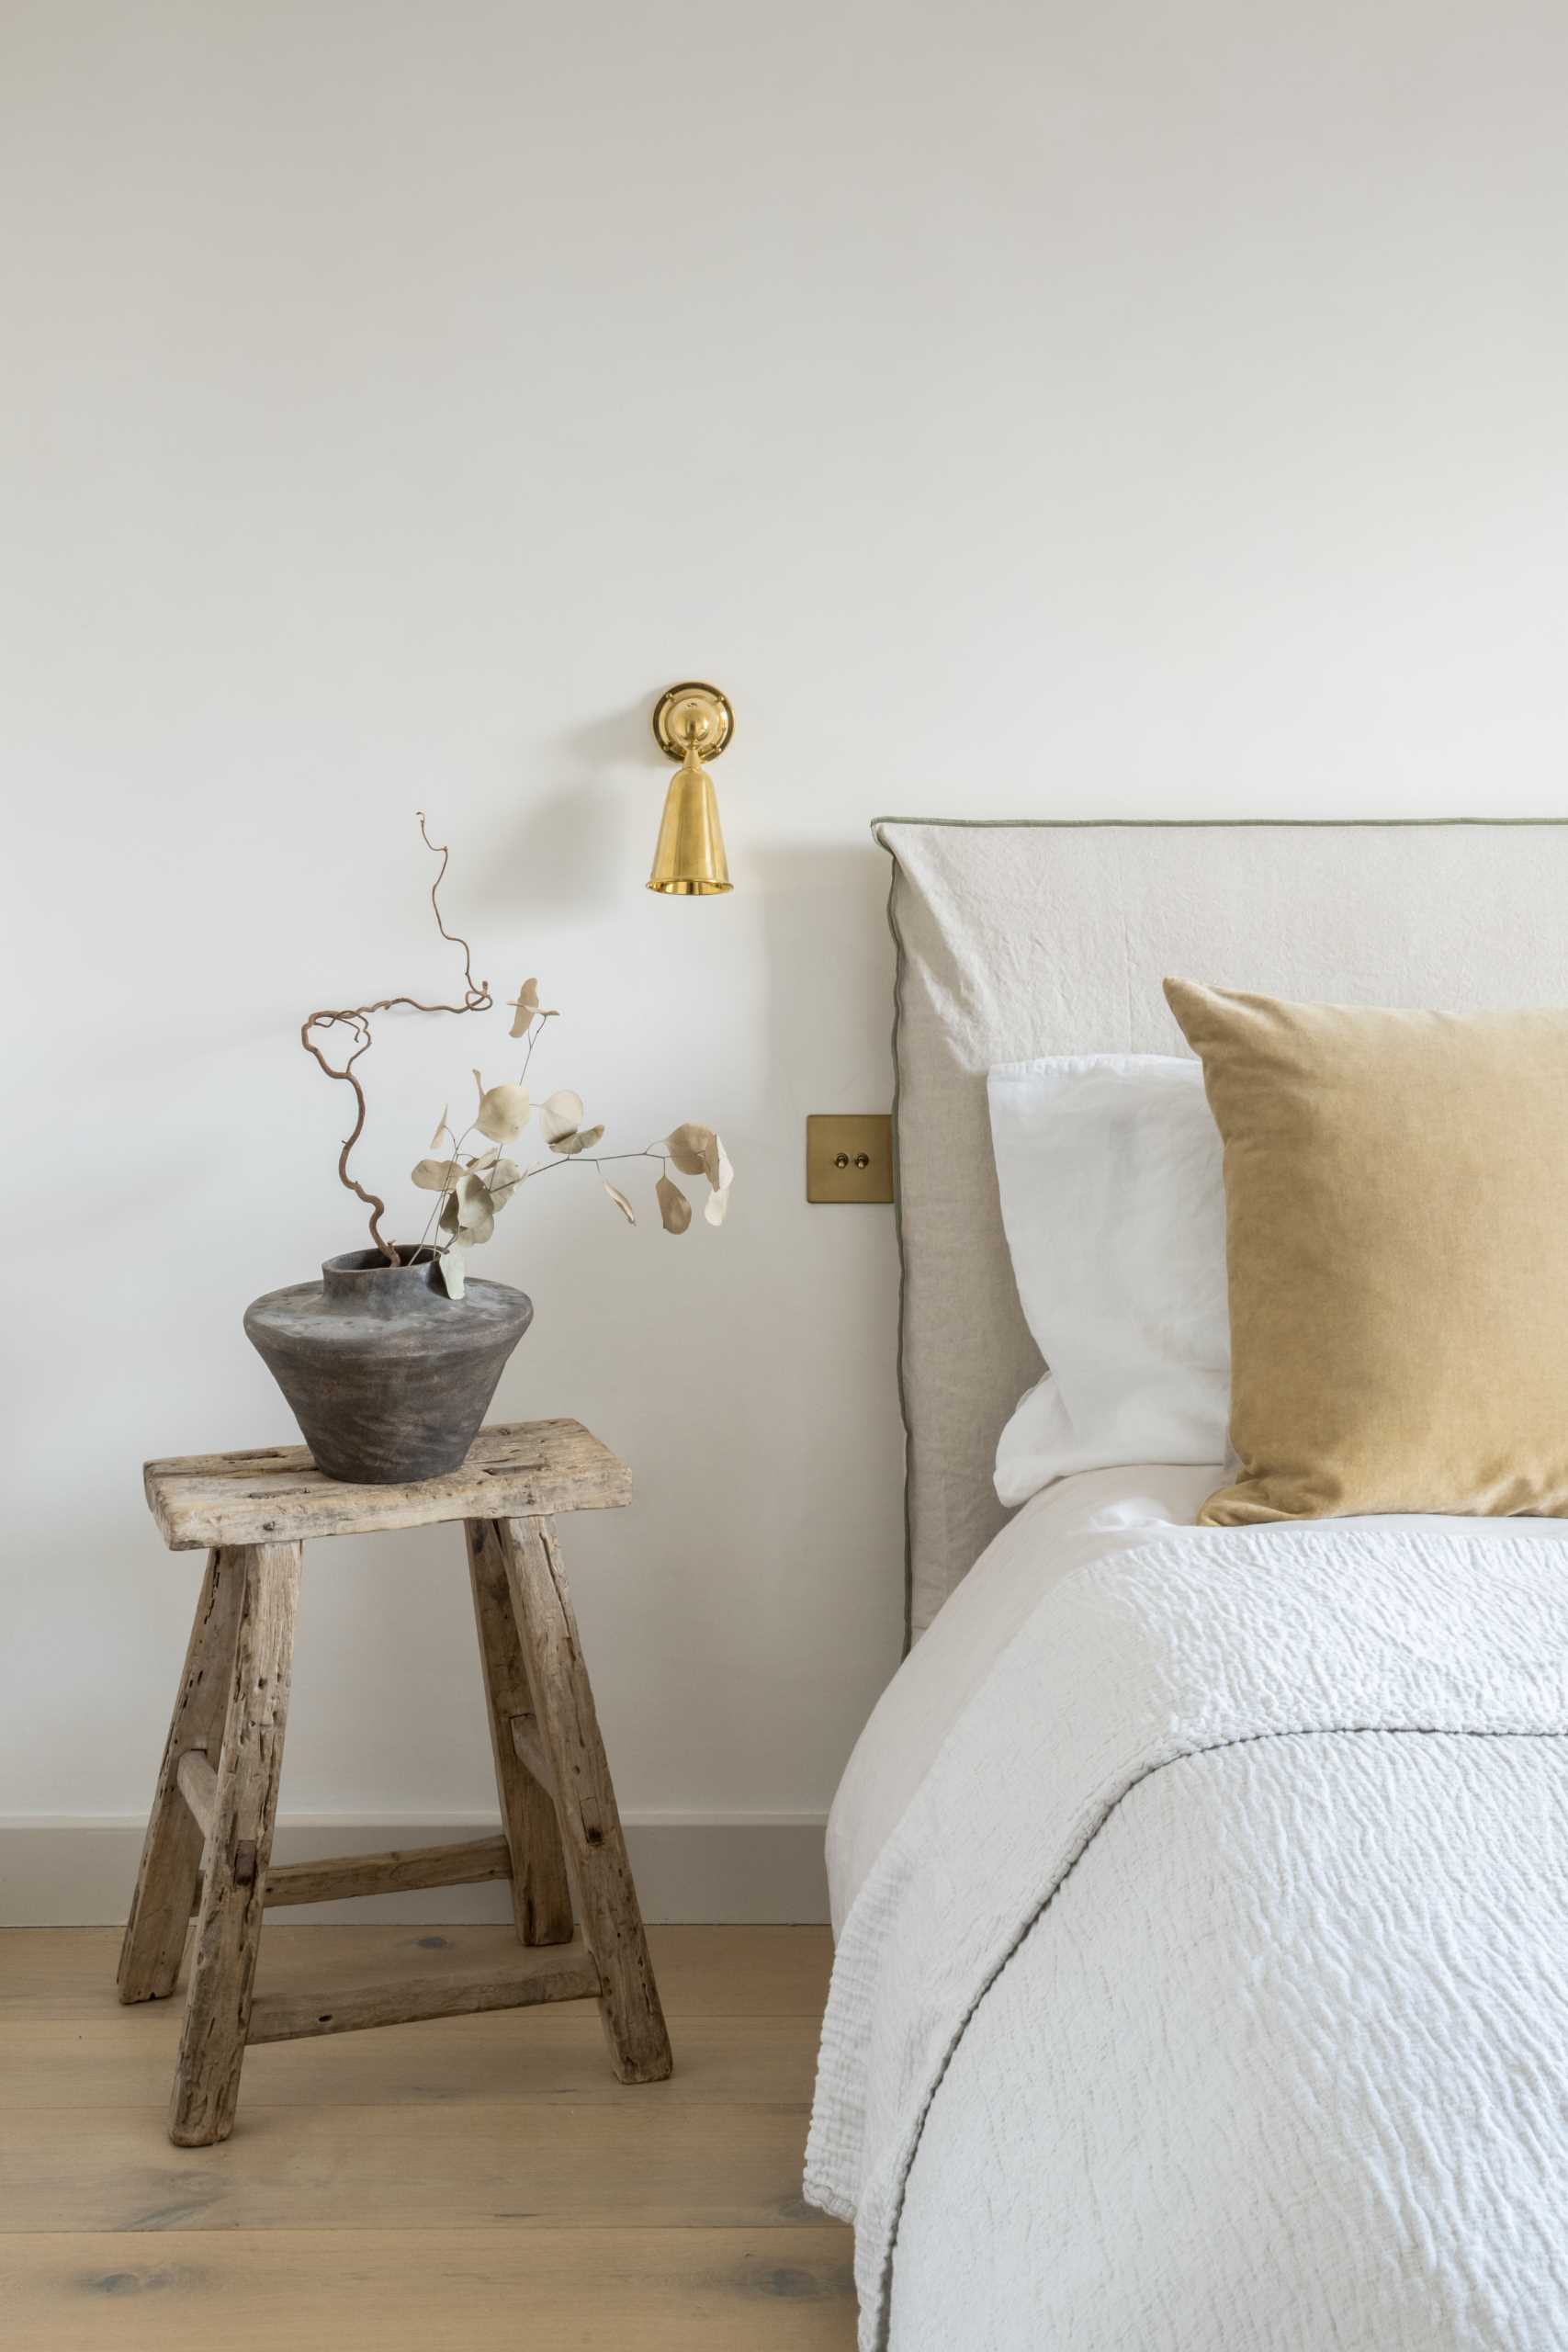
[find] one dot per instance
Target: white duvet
(1211, 1988)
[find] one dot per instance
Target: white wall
(1018, 409)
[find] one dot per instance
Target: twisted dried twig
(477, 998)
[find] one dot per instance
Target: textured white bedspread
(1089, 1516)
(1212, 1991)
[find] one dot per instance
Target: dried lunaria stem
(477, 998)
(471, 1190)
(472, 1187)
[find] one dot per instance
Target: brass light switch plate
(849, 1156)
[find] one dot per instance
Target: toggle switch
(849, 1156)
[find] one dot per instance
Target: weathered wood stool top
(209, 1836)
(517, 1470)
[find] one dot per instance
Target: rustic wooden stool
(212, 1816)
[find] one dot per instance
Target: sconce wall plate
(692, 723)
(692, 711)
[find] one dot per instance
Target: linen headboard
(1018, 939)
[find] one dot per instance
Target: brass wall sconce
(691, 723)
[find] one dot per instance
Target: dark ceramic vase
(388, 1379)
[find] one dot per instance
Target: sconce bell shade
(688, 861)
(691, 719)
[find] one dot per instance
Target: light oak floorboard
(471, 2166)
(468, 2180)
(609, 2290)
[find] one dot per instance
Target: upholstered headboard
(1017, 939)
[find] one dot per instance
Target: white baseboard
(64, 1871)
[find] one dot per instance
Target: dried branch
(472, 995)
(477, 998)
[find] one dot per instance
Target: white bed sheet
(1075, 1520)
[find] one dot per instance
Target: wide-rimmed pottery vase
(388, 1378)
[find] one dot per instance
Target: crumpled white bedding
(1089, 1516)
(1211, 1990)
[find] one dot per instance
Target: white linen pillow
(1109, 1170)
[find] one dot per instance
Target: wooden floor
(475, 2181)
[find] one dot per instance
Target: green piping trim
(1202, 824)
(903, 1264)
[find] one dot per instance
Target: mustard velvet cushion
(1396, 1222)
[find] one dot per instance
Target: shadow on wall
(575, 837)
(825, 1043)
(828, 957)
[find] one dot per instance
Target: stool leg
(585, 1802)
(171, 1855)
(541, 1897)
(239, 1845)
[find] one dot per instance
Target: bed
(1201, 1894)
